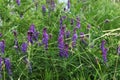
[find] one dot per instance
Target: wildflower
(2, 46)
(8, 65)
(62, 30)
(61, 45)
(18, 2)
(32, 34)
(24, 47)
(67, 34)
(43, 9)
(78, 23)
(29, 37)
(74, 38)
(68, 4)
(45, 38)
(104, 51)
(103, 45)
(66, 50)
(105, 54)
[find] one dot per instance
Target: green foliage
(84, 62)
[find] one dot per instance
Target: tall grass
(85, 62)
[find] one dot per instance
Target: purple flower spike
(32, 28)
(68, 4)
(29, 36)
(2, 47)
(8, 65)
(45, 38)
(32, 34)
(66, 50)
(67, 34)
(104, 50)
(18, 2)
(43, 9)
(74, 38)
(105, 55)
(62, 30)
(61, 45)
(24, 47)
(103, 45)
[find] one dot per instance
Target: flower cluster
(104, 51)
(45, 38)
(32, 34)
(74, 38)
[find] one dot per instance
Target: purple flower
(104, 51)
(32, 34)
(2, 47)
(29, 36)
(45, 38)
(24, 47)
(43, 9)
(18, 2)
(61, 45)
(62, 30)
(78, 23)
(66, 50)
(68, 4)
(8, 65)
(67, 34)
(103, 45)
(74, 38)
